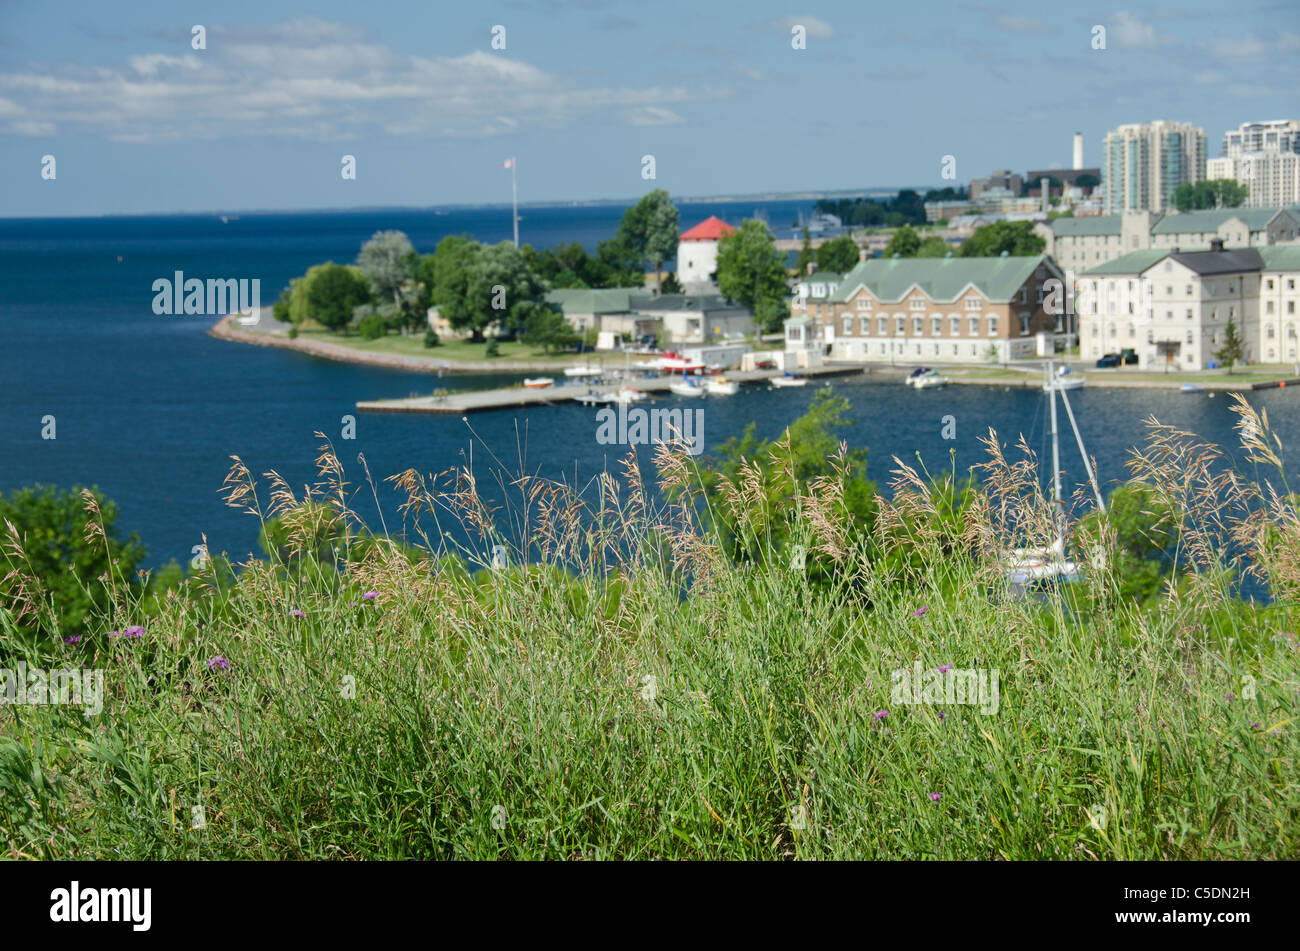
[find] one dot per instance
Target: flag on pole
(508, 163)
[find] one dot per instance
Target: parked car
(1128, 356)
(1109, 360)
(765, 365)
(650, 342)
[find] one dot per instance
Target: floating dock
(472, 401)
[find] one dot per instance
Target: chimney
(1078, 151)
(1047, 194)
(1216, 244)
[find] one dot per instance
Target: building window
(936, 325)
(1268, 307)
(898, 323)
(1270, 331)
(848, 325)
(864, 326)
(974, 327)
(954, 325)
(916, 304)
(972, 303)
(1024, 323)
(1189, 336)
(1290, 307)
(1268, 284)
(916, 326)
(993, 325)
(862, 304)
(882, 325)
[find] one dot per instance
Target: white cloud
(654, 115)
(816, 28)
(31, 128)
(315, 79)
(1130, 33)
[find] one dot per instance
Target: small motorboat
(929, 379)
(687, 387)
(626, 395)
(1190, 388)
(916, 375)
(538, 382)
(1064, 381)
(583, 371)
(721, 386)
(789, 380)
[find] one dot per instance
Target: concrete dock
(471, 401)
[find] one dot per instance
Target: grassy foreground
(634, 692)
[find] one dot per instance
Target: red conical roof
(711, 228)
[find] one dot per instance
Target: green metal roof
(1135, 262)
(1190, 222)
(1087, 225)
(941, 279)
(604, 300)
(1281, 257)
(822, 277)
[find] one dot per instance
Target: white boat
(687, 387)
(583, 371)
(538, 382)
(1026, 566)
(930, 379)
(916, 375)
(1064, 381)
(789, 380)
(592, 399)
(721, 386)
(1190, 388)
(625, 395)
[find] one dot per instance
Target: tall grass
(622, 689)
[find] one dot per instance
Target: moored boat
(789, 380)
(721, 386)
(538, 382)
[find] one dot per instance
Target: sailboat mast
(1056, 441)
(1083, 453)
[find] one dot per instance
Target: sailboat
(1025, 566)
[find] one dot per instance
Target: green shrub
(372, 327)
(431, 338)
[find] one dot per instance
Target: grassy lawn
(450, 350)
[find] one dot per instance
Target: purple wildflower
(135, 630)
(935, 797)
(218, 663)
(74, 639)
(944, 669)
(920, 611)
(942, 714)
(297, 613)
(1230, 697)
(370, 595)
(881, 715)
(1254, 726)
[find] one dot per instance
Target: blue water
(150, 408)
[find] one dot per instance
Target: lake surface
(150, 408)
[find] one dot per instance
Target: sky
(139, 121)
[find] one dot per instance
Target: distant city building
(1265, 157)
(1080, 243)
(1145, 162)
(1077, 163)
(1002, 178)
(1279, 135)
(697, 254)
(1173, 307)
(936, 310)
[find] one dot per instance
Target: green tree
(280, 309)
(549, 329)
(61, 565)
(1017, 238)
(750, 269)
(1209, 194)
(335, 292)
(650, 229)
(670, 285)
(386, 261)
(838, 255)
(1233, 349)
(502, 289)
(617, 265)
(452, 261)
(905, 243)
(300, 291)
(933, 247)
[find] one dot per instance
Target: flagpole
(514, 200)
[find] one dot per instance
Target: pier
(471, 401)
